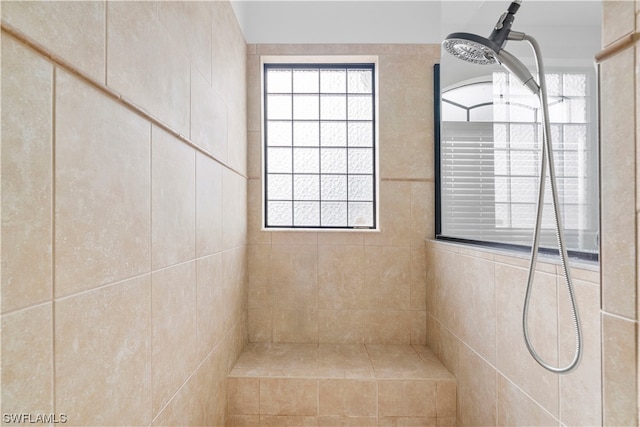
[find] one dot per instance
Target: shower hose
(547, 160)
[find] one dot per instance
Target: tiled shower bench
(340, 385)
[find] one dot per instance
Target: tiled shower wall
(474, 310)
(123, 243)
(620, 203)
(351, 287)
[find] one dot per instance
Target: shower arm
(547, 154)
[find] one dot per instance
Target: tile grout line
(53, 237)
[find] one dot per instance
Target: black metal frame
(320, 66)
(437, 116)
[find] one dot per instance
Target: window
(490, 160)
(319, 146)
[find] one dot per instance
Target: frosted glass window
(306, 134)
(319, 146)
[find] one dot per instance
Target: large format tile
(27, 361)
(27, 189)
(173, 204)
(208, 206)
(173, 330)
(139, 46)
(75, 31)
(102, 189)
(103, 355)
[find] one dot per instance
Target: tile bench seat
(340, 385)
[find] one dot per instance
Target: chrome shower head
(484, 51)
(471, 48)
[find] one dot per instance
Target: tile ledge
(516, 257)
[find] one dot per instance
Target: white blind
(490, 161)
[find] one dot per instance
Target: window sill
(580, 269)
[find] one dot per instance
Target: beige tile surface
(618, 19)
(477, 387)
(619, 371)
(295, 326)
(102, 189)
(288, 396)
(211, 303)
(513, 358)
(208, 117)
(74, 31)
(244, 396)
(515, 408)
(618, 250)
(27, 361)
(173, 330)
(208, 206)
(136, 51)
(347, 397)
(341, 277)
(27, 189)
(173, 192)
(407, 398)
(234, 211)
(103, 355)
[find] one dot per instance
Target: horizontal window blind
(490, 152)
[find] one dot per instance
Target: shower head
(483, 51)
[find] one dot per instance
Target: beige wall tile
(255, 235)
(288, 397)
(418, 278)
(244, 420)
(407, 422)
(102, 189)
(254, 93)
(137, 50)
(447, 289)
(476, 390)
(395, 215)
(190, 25)
(208, 206)
(212, 305)
(294, 238)
(513, 358)
(341, 277)
(347, 397)
(288, 421)
(419, 327)
(173, 192)
(364, 326)
(27, 189)
(295, 326)
(234, 211)
(387, 277)
(618, 205)
(27, 361)
(406, 137)
(618, 19)
(478, 317)
(254, 155)
(619, 371)
(344, 421)
(341, 238)
(260, 325)
(173, 330)
(259, 274)
(74, 31)
(244, 396)
(294, 277)
(208, 117)
(580, 397)
(407, 398)
(103, 355)
(422, 212)
(515, 408)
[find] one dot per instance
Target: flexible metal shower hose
(547, 159)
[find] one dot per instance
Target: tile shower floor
(340, 385)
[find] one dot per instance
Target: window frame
(321, 61)
(437, 95)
